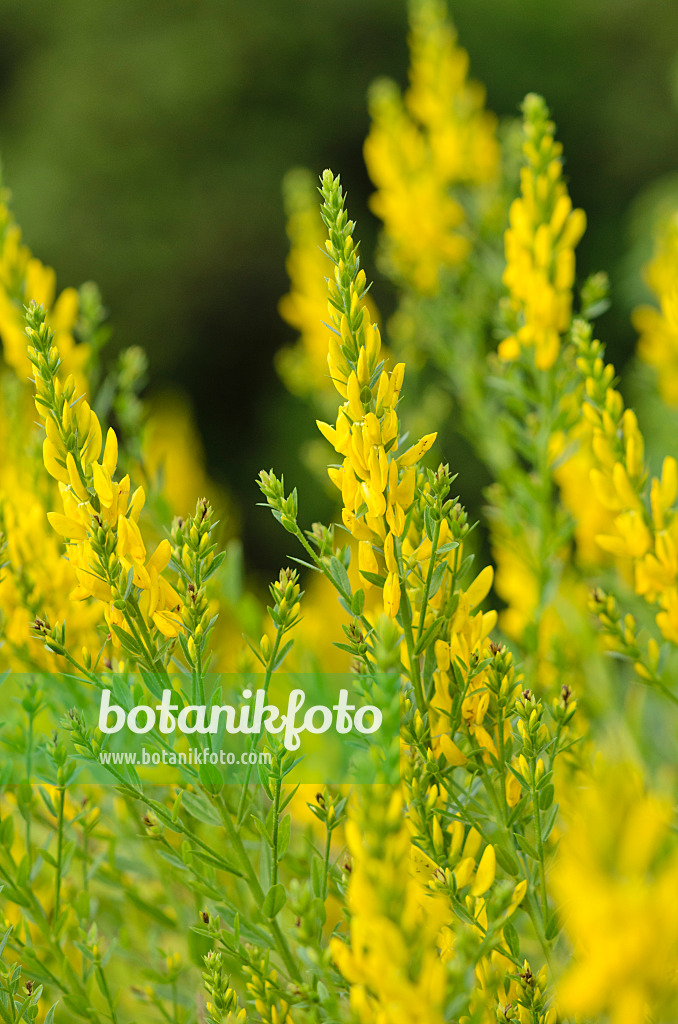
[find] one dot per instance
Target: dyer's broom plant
(507, 850)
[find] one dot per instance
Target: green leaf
(374, 578)
(282, 654)
(3, 941)
(339, 575)
(552, 927)
(437, 579)
(261, 829)
(511, 937)
(358, 602)
(549, 822)
(210, 777)
(274, 901)
(525, 846)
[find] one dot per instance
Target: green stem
(540, 846)
(267, 679)
(406, 617)
(274, 833)
(429, 577)
(60, 850)
(106, 991)
(502, 761)
(256, 890)
(326, 867)
(29, 765)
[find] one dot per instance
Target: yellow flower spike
(485, 872)
(392, 595)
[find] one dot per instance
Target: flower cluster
(420, 147)
(501, 867)
(644, 538)
(540, 242)
(376, 483)
(100, 518)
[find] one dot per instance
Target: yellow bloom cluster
(99, 519)
(617, 879)
(36, 580)
(421, 146)
(540, 242)
(646, 540)
(658, 328)
(393, 962)
(376, 484)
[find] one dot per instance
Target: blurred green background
(145, 146)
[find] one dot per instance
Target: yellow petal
(110, 459)
(485, 873)
(417, 451)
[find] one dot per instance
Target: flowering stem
(274, 830)
(105, 989)
(267, 680)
